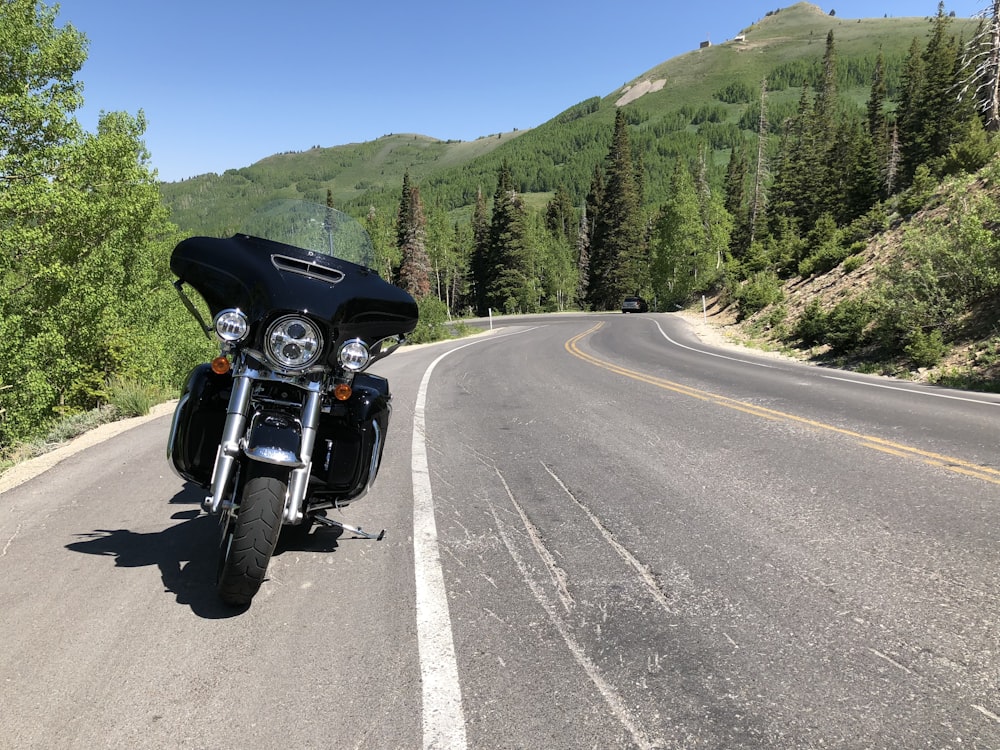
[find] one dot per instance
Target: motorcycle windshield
(297, 256)
(309, 226)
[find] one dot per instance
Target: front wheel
(250, 532)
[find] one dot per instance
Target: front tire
(250, 532)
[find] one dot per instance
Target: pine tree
(893, 163)
(907, 129)
(560, 216)
(512, 279)
(415, 268)
(583, 259)
(735, 200)
(758, 197)
(793, 191)
(875, 109)
(619, 262)
(931, 115)
(681, 257)
(864, 181)
(592, 204)
(403, 212)
(736, 180)
(827, 142)
(874, 157)
(480, 263)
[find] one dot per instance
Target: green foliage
(84, 288)
(83, 254)
(973, 151)
(736, 92)
(925, 349)
(824, 249)
(920, 192)
(759, 291)
(415, 266)
(133, 398)
(846, 325)
(853, 262)
(949, 265)
(619, 263)
(433, 321)
(584, 108)
(810, 328)
(564, 150)
(511, 280)
(844, 328)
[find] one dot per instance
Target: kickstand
(356, 530)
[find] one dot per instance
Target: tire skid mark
(647, 578)
(557, 574)
(10, 541)
(608, 692)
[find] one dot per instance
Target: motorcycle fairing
(272, 276)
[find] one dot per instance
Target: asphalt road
(600, 533)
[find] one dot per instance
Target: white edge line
(914, 391)
(711, 354)
(833, 377)
(443, 719)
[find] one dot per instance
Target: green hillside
(706, 96)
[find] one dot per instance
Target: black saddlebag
(350, 439)
(198, 423)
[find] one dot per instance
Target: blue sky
(225, 83)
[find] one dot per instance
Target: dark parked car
(634, 304)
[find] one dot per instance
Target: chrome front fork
(231, 447)
(298, 480)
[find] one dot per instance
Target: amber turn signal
(342, 391)
(220, 365)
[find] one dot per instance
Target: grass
(127, 398)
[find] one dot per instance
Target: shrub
(133, 398)
(824, 260)
(811, 325)
(846, 324)
(853, 262)
(759, 291)
(433, 322)
(926, 349)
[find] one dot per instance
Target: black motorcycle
(285, 424)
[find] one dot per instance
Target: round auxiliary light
(293, 343)
(353, 355)
(231, 325)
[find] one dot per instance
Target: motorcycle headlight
(293, 342)
(354, 355)
(231, 325)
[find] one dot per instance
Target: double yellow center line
(950, 463)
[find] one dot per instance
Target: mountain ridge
(370, 173)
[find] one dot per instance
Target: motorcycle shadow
(319, 540)
(185, 553)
